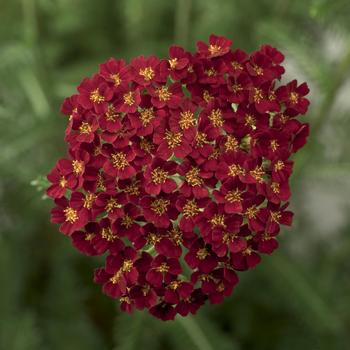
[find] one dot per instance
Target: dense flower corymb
(178, 170)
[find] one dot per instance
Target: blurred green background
(299, 298)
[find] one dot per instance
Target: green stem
(194, 331)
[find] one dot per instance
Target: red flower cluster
(178, 170)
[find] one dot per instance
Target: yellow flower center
(234, 196)
(63, 182)
(216, 118)
(85, 128)
(202, 253)
(159, 175)
(192, 177)
(251, 212)
(258, 96)
(132, 189)
(119, 160)
(163, 268)
(235, 65)
(236, 88)
(214, 49)
(258, 70)
(89, 236)
(111, 205)
(108, 234)
(153, 238)
(187, 120)
(294, 97)
(127, 221)
(201, 139)
(159, 206)
(210, 72)
(275, 186)
(231, 143)
(129, 98)
(95, 96)
(70, 214)
(172, 63)
(274, 145)
(147, 73)
(250, 121)
(77, 167)
(275, 216)
(146, 116)
(217, 220)
(116, 78)
(235, 170)
(176, 236)
(163, 93)
(206, 96)
(229, 237)
(279, 165)
(258, 173)
(111, 114)
(190, 209)
(88, 200)
(173, 139)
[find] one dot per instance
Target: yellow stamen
(111, 205)
(173, 63)
(190, 209)
(108, 234)
(202, 253)
(88, 200)
(216, 118)
(163, 268)
(187, 120)
(146, 116)
(163, 93)
(147, 73)
(127, 221)
(214, 49)
(119, 160)
(95, 96)
(159, 175)
(71, 215)
(192, 177)
(116, 78)
(129, 98)
(85, 128)
(217, 220)
(234, 196)
(173, 139)
(78, 167)
(159, 206)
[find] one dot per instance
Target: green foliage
(297, 299)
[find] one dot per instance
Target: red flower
(144, 70)
(95, 94)
(293, 96)
(128, 101)
(158, 177)
(218, 46)
(118, 163)
(116, 72)
(184, 160)
(159, 210)
(163, 270)
(68, 216)
(163, 95)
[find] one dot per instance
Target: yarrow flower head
(178, 172)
